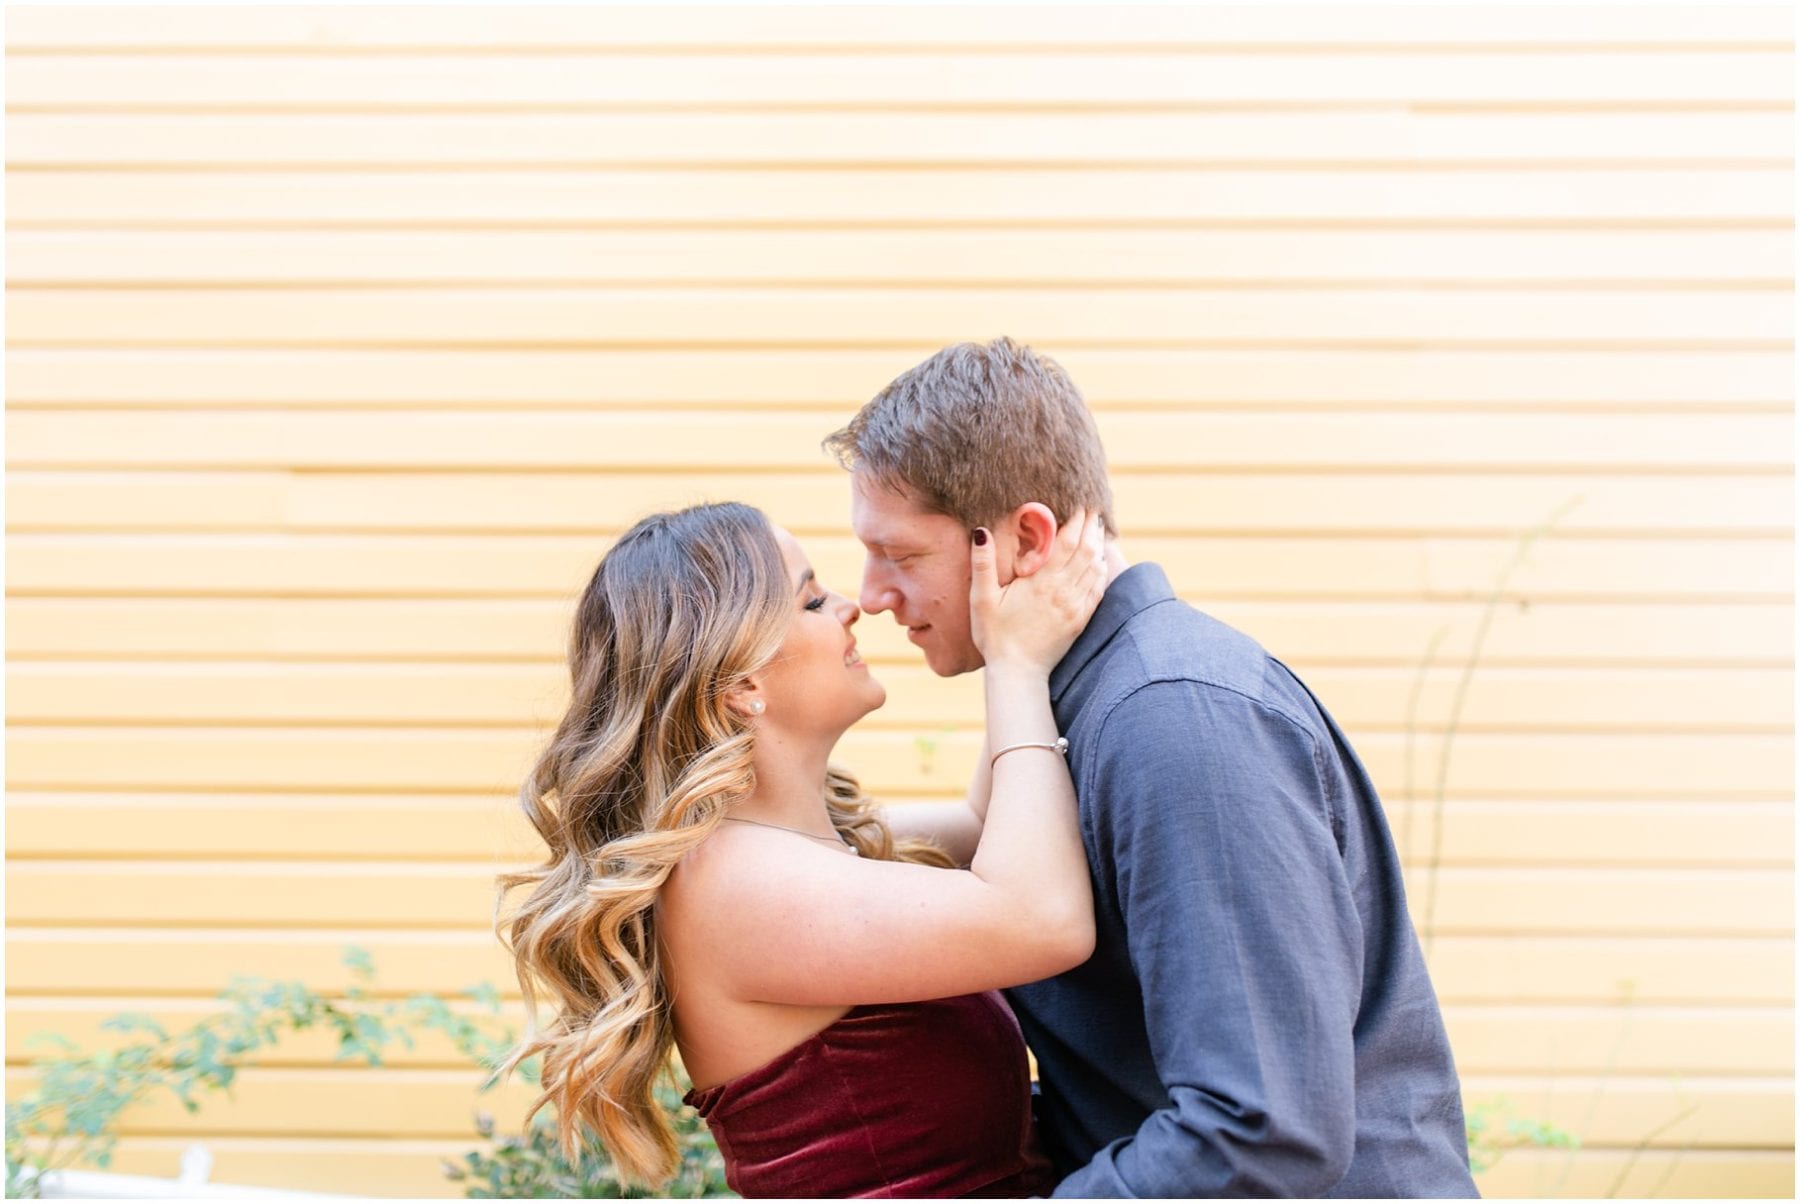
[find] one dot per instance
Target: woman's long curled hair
(683, 609)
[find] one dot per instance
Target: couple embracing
(1170, 861)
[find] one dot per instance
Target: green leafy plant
(71, 1118)
(1494, 1129)
(532, 1165)
(928, 747)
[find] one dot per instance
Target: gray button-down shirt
(1256, 1018)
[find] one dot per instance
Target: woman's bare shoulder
(728, 875)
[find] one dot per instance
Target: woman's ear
(1033, 528)
(747, 700)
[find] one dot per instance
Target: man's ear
(1033, 528)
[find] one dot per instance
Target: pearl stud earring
(756, 707)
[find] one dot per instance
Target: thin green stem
(1643, 1143)
(1412, 732)
(1606, 1072)
(1453, 725)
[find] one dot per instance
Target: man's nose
(874, 597)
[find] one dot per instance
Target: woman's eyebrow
(804, 578)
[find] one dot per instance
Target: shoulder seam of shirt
(1157, 676)
(1332, 818)
(1189, 679)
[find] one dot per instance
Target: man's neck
(1115, 561)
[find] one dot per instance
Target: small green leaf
(129, 1022)
(359, 962)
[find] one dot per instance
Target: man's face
(918, 569)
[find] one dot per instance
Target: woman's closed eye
(817, 603)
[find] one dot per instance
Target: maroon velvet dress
(893, 1100)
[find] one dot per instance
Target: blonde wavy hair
(683, 609)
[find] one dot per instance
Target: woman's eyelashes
(817, 603)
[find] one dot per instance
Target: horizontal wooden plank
(410, 1168)
(78, 1020)
(339, 1101)
(407, 894)
(1590, 834)
(72, 199)
(1632, 1174)
(1591, 699)
(697, 441)
(1548, 901)
(1671, 1111)
(46, 501)
(359, 827)
(421, 1103)
(342, 30)
(1530, 969)
(269, 693)
(1725, 971)
(776, 79)
(1305, 634)
(832, 378)
(348, 694)
(1542, 766)
(305, 628)
(152, 317)
(1621, 1040)
(286, 894)
(341, 826)
(1365, 699)
(470, 760)
(407, 1168)
(1487, 1040)
(148, 962)
(1250, 567)
(1544, 633)
(1395, 137)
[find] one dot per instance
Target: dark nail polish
(980, 537)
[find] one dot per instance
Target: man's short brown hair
(978, 430)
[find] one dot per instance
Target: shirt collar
(1136, 589)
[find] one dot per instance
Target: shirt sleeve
(1214, 814)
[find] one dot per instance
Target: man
(1256, 1018)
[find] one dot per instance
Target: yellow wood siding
(341, 342)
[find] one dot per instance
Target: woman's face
(818, 681)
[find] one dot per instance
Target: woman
(714, 883)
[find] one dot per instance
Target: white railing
(196, 1165)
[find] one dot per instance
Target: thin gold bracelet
(1060, 747)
